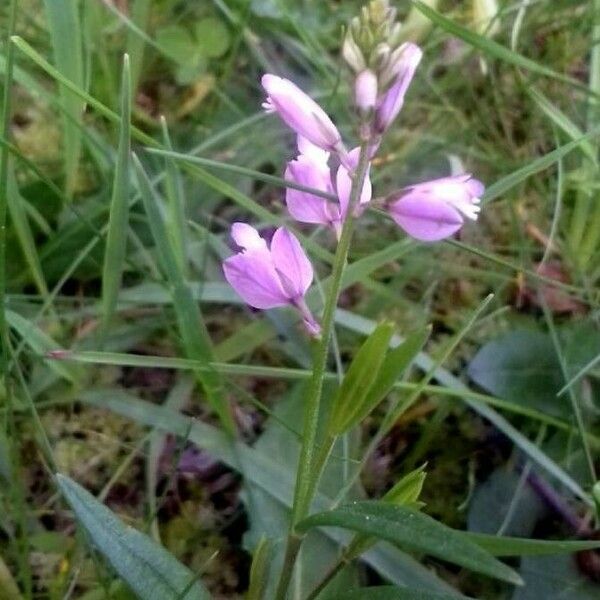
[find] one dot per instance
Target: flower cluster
(322, 174)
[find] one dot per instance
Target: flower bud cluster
(383, 67)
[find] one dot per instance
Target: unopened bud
(381, 57)
(352, 54)
(365, 90)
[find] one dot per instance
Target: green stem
(307, 476)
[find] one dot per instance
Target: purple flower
(311, 169)
(402, 71)
(436, 209)
(268, 277)
(300, 112)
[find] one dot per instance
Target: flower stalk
(307, 477)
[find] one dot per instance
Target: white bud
(352, 54)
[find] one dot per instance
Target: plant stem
(307, 477)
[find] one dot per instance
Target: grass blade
(509, 546)
(20, 222)
(539, 164)
(116, 238)
(196, 340)
(65, 31)
(175, 215)
(140, 14)
(492, 48)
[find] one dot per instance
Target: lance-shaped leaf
(372, 375)
(396, 362)
(412, 530)
(349, 404)
(150, 571)
(405, 492)
(514, 546)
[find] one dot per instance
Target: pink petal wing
(428, 220)
(245, 236)
(307, 208)
(304, 206)
(307, 148)
(253, 276)
(291, 263)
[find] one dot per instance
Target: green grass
(119, 179)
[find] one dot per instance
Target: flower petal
(253, 276)
(291, 263)
(307, 148)
(245, 236)
(426, 219)
(300, 112)
(404, 69)
(304, 206)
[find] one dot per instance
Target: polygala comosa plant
(332, 188)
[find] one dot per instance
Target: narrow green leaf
(539, 164)
(259, 571)
(408, 489)
(65, 31)
(118, 224)
(561, 120)
(140, 14)
(195, 336)
(8, 586)
(405, 492)
(388, 592)
(348, 406)
(224, 166)
(18, 215)
(511, 546)
(175, 215)
(412, 530)
(396, 362)
(363, 325)
(150, 571)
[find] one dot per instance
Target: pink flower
(300, 112)
(311, 169)
(402, 70)
(268, 277)
(436, 209)
(365, 90)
